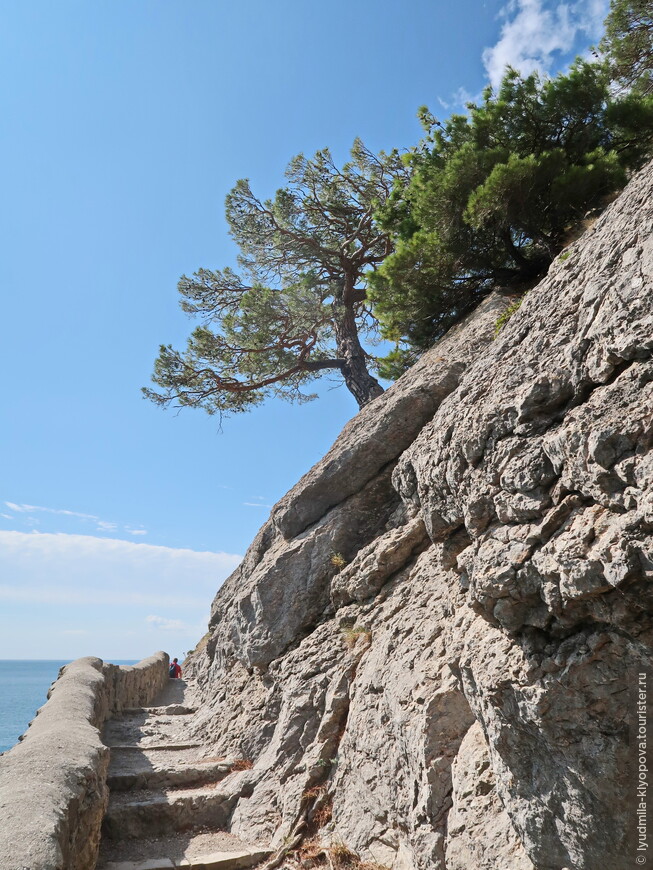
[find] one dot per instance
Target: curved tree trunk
(358, 380)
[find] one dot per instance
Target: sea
(23, 689)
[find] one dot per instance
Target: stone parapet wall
(53, 791)
(131, 686)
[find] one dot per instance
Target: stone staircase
(165, 808)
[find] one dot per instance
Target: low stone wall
(53, 791)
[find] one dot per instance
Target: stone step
(154, 815)
(139, 747)
(169, 710)
(160, 778)
(214, 861)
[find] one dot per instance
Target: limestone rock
(427, 651)
(387, 426)
(479, 833)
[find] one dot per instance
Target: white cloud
(459, 100)
(535, 34)
(84, 569)
(65, 596)
(167, 624)
(256, 504)
(32, 508)
(73, 596)
(104, 526)
(25, 511)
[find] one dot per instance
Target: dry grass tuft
(323, 815)
(342, 858)
(311, 850)
(242, 764)
(338, 561)
(315, 792)
(354, 633)
(337, 856)
(343, 855)
(322, 810)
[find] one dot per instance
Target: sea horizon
(109, 661)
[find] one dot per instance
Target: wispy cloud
(64, 596)
(89, 570)
(459, 99)
(257, 501)
(33, 508)
(167, 624)
(74, 596)
(535, 34)
(27, 511)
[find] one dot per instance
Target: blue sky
(126, 123)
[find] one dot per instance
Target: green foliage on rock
(502, 319)
(628, 44)
(298, 307)
(492, 193)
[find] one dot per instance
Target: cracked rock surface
(430, 650)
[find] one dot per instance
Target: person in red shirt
(175, 669)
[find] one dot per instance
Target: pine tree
(298, 306)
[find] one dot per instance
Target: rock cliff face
(436, 638)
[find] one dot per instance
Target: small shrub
(326, 762)
(338, 856)
(323, 815)
(242, 764)
(565, 255)
(311, 850)
(338, 561)
(352, 634)
(344, 859)
(322, 810)
(343, 856)
(502, 319)
(312, 794)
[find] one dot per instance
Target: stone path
(165, 807)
